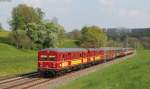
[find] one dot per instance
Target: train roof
(82, 49)
(65, 49)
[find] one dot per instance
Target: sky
(74, 14)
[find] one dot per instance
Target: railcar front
(48, 61)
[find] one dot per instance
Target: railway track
(9, 83)
(35, 81)
(11, 79)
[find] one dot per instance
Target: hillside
(16, 61)
(130, 74)
(4, 37)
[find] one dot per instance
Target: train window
(52, 58)
(43, 57)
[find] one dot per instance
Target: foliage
(135, 43)
(57, 33)
(130, 74)
(113, 43)
(141, 32)
(69, 43)
(22, 15)
(145, 41)
(29, 30)
(93, 37)
(121, 35)
(24, 19)
(20, 39)
(75, 34)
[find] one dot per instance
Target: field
(4, 34)
(14, 61)
(68, 43)
(4, 37)
(130, 74)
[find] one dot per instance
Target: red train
(53, 61)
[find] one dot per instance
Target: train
(57, 61)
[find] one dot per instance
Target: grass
(14, 61)
(130, 74)
(68, 43)
(4, 34)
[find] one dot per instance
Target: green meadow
(14, 61)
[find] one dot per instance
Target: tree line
(29, 30)
(126, 37)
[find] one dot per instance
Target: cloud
(107, 3)
(132, 13)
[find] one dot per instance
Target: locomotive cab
(47, 60)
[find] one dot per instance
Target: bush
(20, 39)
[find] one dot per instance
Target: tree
(24, 23)
(92, 36)
(56, 32)
(113, 43)
(75, 34)
(20, 39)
(145, 41)
(135, 43)
(22, 15)
(29, 20)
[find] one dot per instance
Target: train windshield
(52, 58)
(46, 58)
(43, 57)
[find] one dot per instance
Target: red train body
(56, 60)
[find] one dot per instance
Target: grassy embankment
(130, 74)
(15, 61)
(4, 37)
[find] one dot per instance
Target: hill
(4, 37)
(130, 74)
(16, 61)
